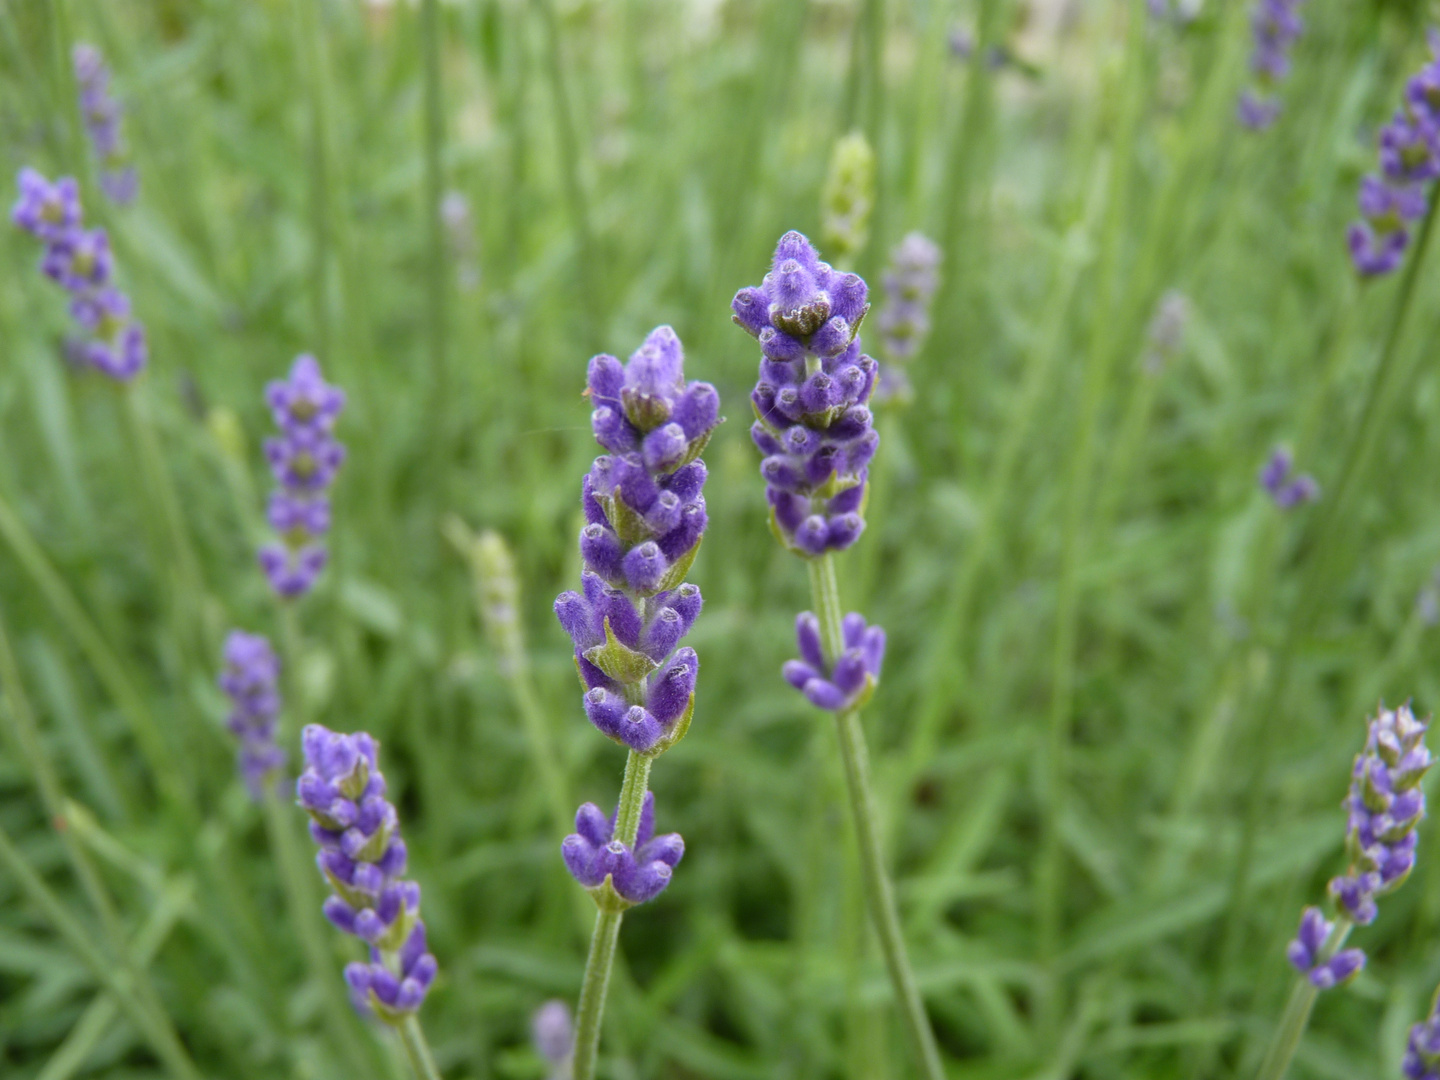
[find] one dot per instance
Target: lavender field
(977, 455)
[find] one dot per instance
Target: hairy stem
(879, 895)
(417, 1049)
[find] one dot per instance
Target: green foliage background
(1089, 601)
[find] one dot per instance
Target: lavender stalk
(1383, 808)
(818, 440)
(645, 516)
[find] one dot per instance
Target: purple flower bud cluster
(1308, 953)
(78, 259)
(850, 680)
(1276, 24)
(250, 680)
(638, 873)
(363, 859)
(810, 402)
(553, 1033)
(1422, 1051)
(910, 284)
(101, 114)
(1393, 201)
(1287, 492)
(1384, 806)
(304, 460)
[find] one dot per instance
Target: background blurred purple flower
(1288, 492)
(101, 114)
(904, 320)
(304, 459)
(250, 679)
(1276, 26)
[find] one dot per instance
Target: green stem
(434, 144)
(1296, 1016)
(879, 895)
(155, 1027)
(607, 926)
(312, 75)
(417, 1049)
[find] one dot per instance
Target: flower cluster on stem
(910, 283)
(812, 423)
(304, 460)
(111, 340)
(1276, 24)
(101, 114)
(1392, 201)
(363, 859)
(250, 679)
(1422, 1050)
(1287, 490)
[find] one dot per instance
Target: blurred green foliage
(632, 163)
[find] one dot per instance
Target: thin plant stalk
(1296, 1016)
(435, 255)
(607, 926)
(155, 1027)
(417, 1049)
(311, 47)
(879, 894)
(1329, 541)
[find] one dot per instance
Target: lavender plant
(553, 1034)
(904, 321)
(1393, 201)
(304, 460)
(79, 260)
(1288, 491)
(1383, 808)
(1277, 25)
(1166, 332)
(1422, 1049)
(363, 859)
(459, 226)
(645, 516)
(101, 114)
(848, 197)
(250, 679)
(816, 434)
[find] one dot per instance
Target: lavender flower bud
(1276, 25)
(304, 460)
(1275, 478)
(848, 197)
(851, 679)
(814, 381)
(80, 261)
(553, 1033)
(910, 284)
(1384, 806)
(634, 874)
(1422, 1051)
(1306, 950)
(250, 680)
(101, 114)
(362, 857)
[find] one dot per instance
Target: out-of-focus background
(1102, 814)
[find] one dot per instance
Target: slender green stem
(435, 262)
(1330, 531)
(1296, 1016)
(311, 48)
(607, 926)
(106, 665)
(155, 1026)
(417, 1049)
(879, 894)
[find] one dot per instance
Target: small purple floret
(1287, 492)
(851, 678)
(637, 873)
(250, 679)
(101, 114)
(1304, 953)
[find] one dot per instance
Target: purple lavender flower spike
(910, 284)
(363, 859)
(250, 680)
(46, 211)
(553, 1033)
(1392, 202)
(637, 872)
(849, 682)
(101, 114)
(1287, 492)
(1276, 25)
(811, 421)
(1384, 806)
(1422, 1051)
(305, 459)
(79, 260)
(1305, 953)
